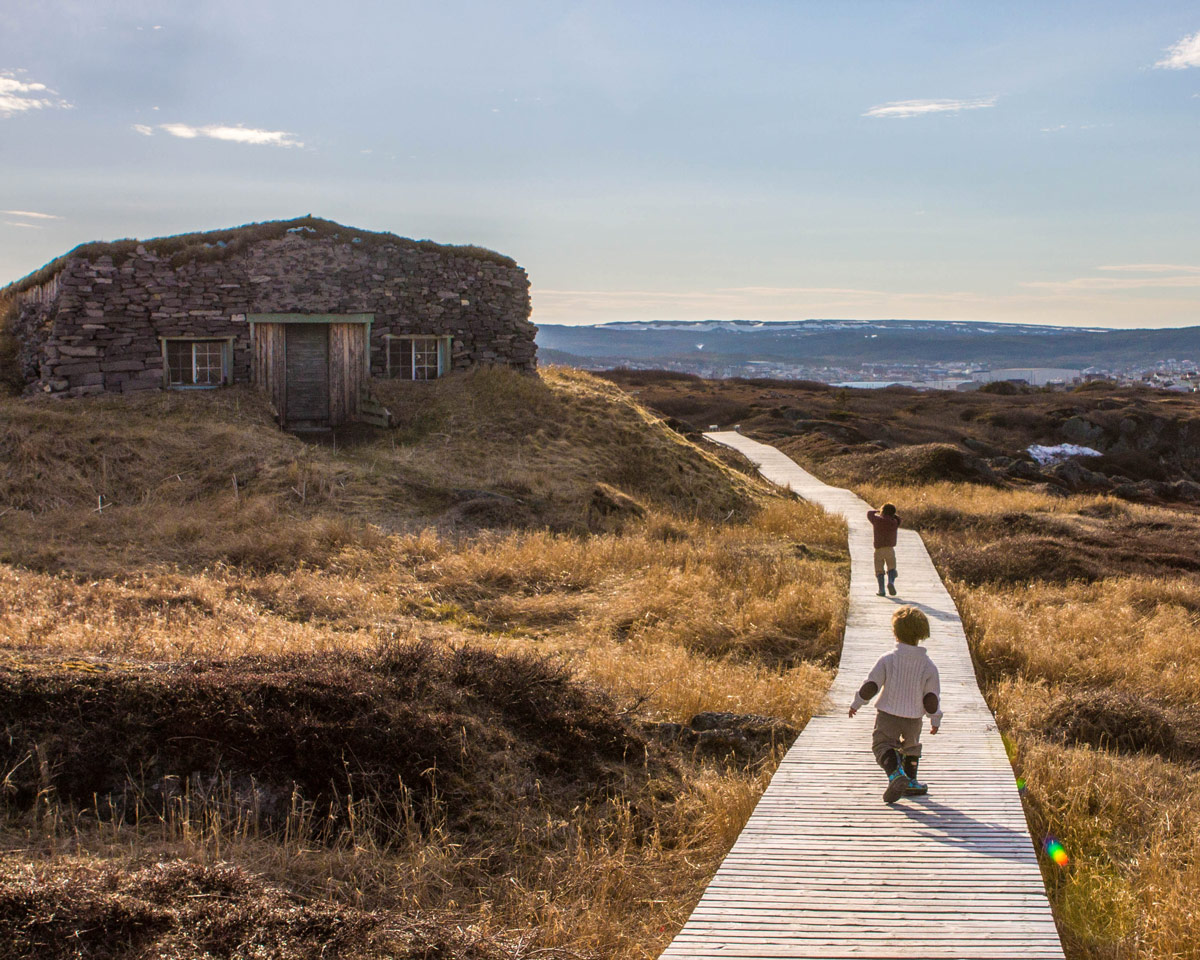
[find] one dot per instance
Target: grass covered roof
(215, 245)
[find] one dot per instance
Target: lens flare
(1009, 748)
(1020, 784)
(1056, 852)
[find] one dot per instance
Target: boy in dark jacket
(885, 524)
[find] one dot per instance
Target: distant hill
(853, 342)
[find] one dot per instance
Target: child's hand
(933, 731)
(853, 711)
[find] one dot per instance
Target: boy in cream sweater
(911, 688)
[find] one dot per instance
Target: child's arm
(868, 690)
(932, 700)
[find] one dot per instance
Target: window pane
(207, 362)
(425, 359)
(179, 362)
(195, 363)
(400, 354)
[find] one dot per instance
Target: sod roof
(216, 245)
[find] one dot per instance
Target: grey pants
(902, 734)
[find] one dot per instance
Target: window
(417, 358)
(195, 363)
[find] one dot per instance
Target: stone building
(306, 309)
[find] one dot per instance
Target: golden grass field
(548, 516)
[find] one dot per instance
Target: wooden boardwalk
(824, 868)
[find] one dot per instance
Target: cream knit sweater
(905, 675)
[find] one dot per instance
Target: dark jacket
(885, 528)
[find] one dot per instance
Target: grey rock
(1084, 432)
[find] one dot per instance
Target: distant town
(926, 355)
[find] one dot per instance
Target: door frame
(326, 319)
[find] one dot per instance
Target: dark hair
(888, 509)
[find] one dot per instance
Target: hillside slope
(505, 678)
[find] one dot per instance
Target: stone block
(90, 350)
(76, 368)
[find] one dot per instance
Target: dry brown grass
(712, 595)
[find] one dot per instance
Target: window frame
(226, 344)
(445, 343)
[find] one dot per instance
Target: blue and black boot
(891, 583)
(915, 788)
(897, 778)
(879, 577)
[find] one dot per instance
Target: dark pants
(902, 734)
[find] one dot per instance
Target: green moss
(215, 245)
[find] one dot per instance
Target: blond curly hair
(910, 625)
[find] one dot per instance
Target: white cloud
(238, 134)
(31, 215)
(1184, 54)
(918, 108)
(19, 96)
(1179, 280)
(29, 226)
(1153, 267)
(144, 130)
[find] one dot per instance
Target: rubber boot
(897, 778)
(915, 788)
(879, 577)
(891, 580)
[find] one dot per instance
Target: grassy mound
(413, 722)
(174, 911)
(918, 463)
(116, 484)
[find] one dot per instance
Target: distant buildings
(1034, 376)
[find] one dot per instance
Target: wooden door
(307, 372)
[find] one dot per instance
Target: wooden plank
(308, 393)
(823, 867)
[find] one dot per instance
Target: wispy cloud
(1132, 276)
(31, 215)
(1153, 267)
(27, 226)
(900, 109)
(21, 96)
(237, 134)
(1184, 54)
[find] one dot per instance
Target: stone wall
(95, 327)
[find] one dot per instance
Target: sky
(651, 160)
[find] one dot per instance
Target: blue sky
(1031, 162)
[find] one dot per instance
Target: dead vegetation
(434, 685)
(901, 436)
